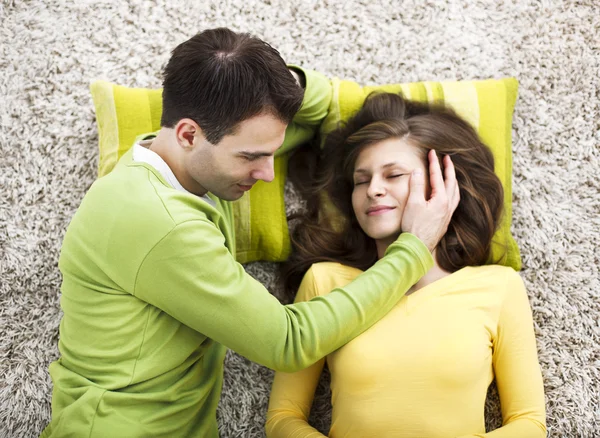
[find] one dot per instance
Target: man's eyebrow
(255, 154)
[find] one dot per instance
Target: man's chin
(235, 197)
(232, 195)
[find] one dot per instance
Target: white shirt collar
(144, 155)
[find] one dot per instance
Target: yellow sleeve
(292, 393)
(517, 368)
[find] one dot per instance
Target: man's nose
(266, 171)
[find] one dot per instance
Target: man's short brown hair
(219, 78)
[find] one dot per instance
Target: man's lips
(379, 209)
(245, 188)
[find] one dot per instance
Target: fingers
(429, 219)
(449, 171)
(450, 182)
(456, 197)
(444, 189)
(417, 187)
(435, 176)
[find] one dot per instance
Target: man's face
(238, 161)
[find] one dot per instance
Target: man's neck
(160, 145)
(163, 146)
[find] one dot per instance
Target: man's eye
(247, 158)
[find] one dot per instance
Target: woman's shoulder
(493, 273)
(502, 281)
(326, 276)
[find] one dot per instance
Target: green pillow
(488, 105)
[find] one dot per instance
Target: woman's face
(381, 186)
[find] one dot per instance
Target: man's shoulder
(134, 210)
(122, 219)
(138, 192)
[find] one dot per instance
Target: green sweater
(152, 297)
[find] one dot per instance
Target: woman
(424, 369)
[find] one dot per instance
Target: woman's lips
(380, 209)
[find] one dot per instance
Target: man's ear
(188, 133)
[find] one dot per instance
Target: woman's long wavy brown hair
(324, 178)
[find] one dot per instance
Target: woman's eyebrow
(385, 166)
(394, 164)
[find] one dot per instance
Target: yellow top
(424, 369)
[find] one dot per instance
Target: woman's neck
(434, 274)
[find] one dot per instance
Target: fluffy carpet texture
(50, 51)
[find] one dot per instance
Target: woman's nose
(376, 189)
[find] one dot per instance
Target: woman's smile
(377, 210)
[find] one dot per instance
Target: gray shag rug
(51, 50)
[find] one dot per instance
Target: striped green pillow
(488, 105)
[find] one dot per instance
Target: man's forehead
(258, 136)
(265, 124)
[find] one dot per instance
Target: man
(151, 293)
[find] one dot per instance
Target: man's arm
(315, 106)
(192, 276)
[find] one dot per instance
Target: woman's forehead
(383, 154)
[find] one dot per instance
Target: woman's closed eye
(367, 181)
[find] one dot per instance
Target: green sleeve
(191, 275)
(317, 97)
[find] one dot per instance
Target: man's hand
(429, 219)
